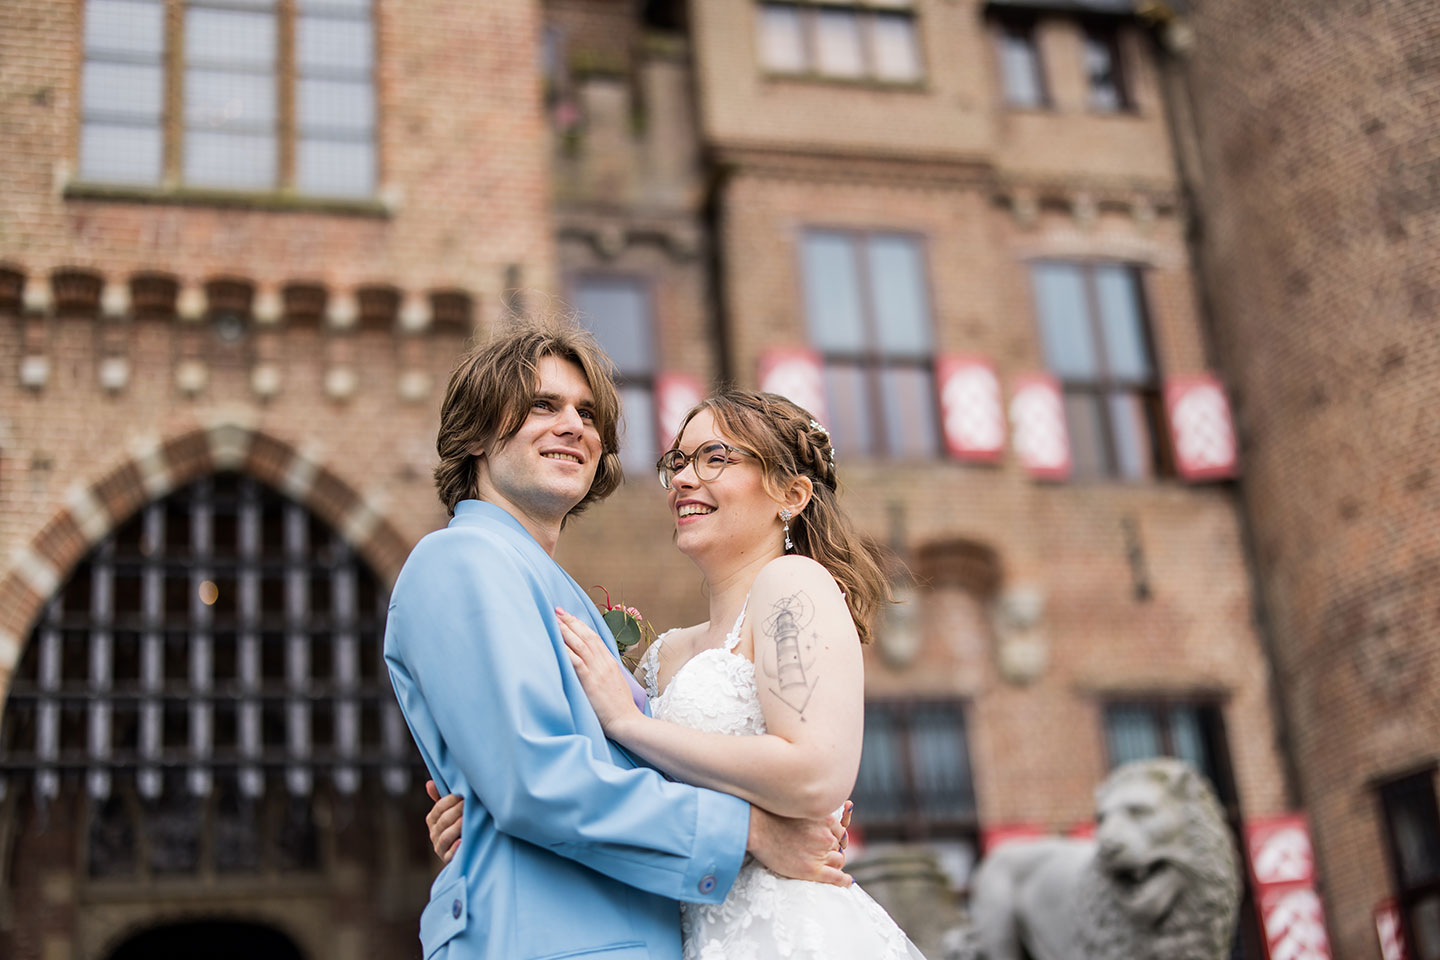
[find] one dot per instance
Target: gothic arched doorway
(213, 940)
(202, 707)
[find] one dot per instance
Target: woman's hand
(444, 822)
(600, 674)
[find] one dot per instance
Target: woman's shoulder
(793, 571)
(675, 640)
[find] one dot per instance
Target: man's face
(546, 468)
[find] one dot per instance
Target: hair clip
(817, 425)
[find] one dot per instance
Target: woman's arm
(811, 680)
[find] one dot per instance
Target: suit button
(707, 885)
(455, 909)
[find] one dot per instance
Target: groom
(570, 849)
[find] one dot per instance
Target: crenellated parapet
(232, 321)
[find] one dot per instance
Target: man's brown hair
(489, 397)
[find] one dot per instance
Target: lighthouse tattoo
(789, 662)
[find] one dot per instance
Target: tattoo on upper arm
(790, 660)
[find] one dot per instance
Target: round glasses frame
(709, 459)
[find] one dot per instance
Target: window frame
(913, 825)
(647, 284)
(1210, 708)
(1005, 25)
(1108, 32)
(1408, 895)
(865, 12)
(1150, 392)
(135, 590)
(285, 192)
(871, 360)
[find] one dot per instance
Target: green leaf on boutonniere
(625, 627)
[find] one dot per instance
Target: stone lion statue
(1158, 882)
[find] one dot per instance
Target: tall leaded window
(253, 95)
(1096, 340)
(1104, 70)
(1022, 71)
(850, 39)
(202, 675)
(915, 783)
(617, 310)
(867, 305)
(1412, 822)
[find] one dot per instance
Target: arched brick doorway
(200, 722)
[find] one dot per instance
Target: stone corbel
(1022, 650)
(114, 366)
(37, 303)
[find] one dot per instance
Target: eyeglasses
(710, 459)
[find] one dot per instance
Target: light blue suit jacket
(568, 848)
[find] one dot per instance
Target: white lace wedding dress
(766, 916)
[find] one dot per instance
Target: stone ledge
(280, 200)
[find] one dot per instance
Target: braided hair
(790, 443)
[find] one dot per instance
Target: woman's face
(728, 518)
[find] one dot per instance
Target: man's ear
(476, 449)
(798, 494)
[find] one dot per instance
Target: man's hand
(802, 849)
(444, 822)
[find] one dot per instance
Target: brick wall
(1317, 123)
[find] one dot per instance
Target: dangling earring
(785, 516)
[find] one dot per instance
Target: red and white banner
(797, 375)
(1387, 927)
(1282, 865)
(675, 395)
(1202, 432)
(1003, 833)
(1280, 851)
(971, 408)
(1037, 417)
(1294, 923)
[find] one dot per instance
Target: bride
(765, 700)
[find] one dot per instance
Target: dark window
(1194, 732)
(617, 310)
(843, 40)
(1412, 823)
(1104, 70)
(1093, 326)
(230, 94)
(868, 313)
(915, 783)
(1022, 72)
(201, 675)
(1189, 732)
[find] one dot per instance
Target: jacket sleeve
(473, 645)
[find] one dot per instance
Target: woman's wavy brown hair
(788, 444)
(489, 397)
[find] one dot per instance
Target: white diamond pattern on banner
(1038, 418)
(1295, 925)
(1203, 438)
(796, 376)
(972, 408)
(1283, 856)
(678, 393)
(1387, 926)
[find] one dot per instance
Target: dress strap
(651, 663)
(732, 639)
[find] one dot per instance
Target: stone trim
(156, 466)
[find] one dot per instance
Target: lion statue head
(1163, 882)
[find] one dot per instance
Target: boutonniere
(626, 624)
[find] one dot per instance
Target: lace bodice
(713, 691)
(765, 916)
